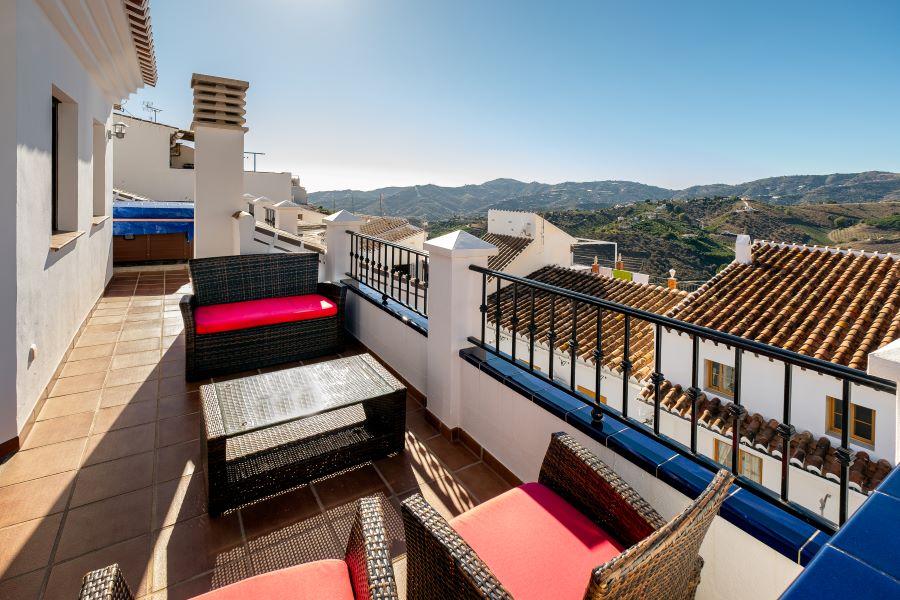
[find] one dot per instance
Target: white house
(64, 67)
(156, 160)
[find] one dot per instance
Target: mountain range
(429, 202)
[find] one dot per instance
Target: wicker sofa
(364, 574)
(230, 283)
(579, 532)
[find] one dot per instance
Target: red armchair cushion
(216, 318)
(537, 544)
(321, 580)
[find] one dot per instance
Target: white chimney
(742, 249)
(218, 161)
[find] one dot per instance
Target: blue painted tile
(873, 534)
(767, 523)
(563, 401)
(834, 575)
(685, 475)
(640, 449)
(581, 420)
(891, 484)
(813, 547)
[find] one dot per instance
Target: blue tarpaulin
(143, 218)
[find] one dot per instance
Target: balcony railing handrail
(374, 263)
(843, 455)
(794, 358)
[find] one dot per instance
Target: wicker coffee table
(266, 434)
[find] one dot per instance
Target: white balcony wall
(517, 432)
(401, 347)
(46, 294)
(762, 391)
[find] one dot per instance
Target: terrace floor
(111, 471)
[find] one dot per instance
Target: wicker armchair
(660, 560)
(225, 279)
(367, 556)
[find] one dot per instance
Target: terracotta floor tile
(170, 330)
(140, 374)
(279, 512)
(349, 486)
(142, 304)
(179, 500)
(221, 576)
(26, 546)
(454, 455)
(23, 587)
(193, 547)
(95, 339)
(119, 443)
(173, 354)
(125, 394)
(136, 359)
(91, 352)
(415, 422)
(92, 328)
(62, 429)
(177, 385)
(482, 481)
(87, 366)
(78, 384)
(179, 404)
(446, 495)
(112, 478)
(173, 341)
(403, 472)
(310, 541)
(133, 556)
(171, 369)
(139, 334)
(151, 343)
(124, 415)
(178, 460)
(62, 406)
(105, 319)
(178, 429)
(104, 523)
(35, 498)
(42, 461)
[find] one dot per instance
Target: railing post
(337, 242)
(243, 225)
(453, 315)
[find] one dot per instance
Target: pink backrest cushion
(216, 318)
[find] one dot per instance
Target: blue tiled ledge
(411, 318)
(863, 559)
(690, 475)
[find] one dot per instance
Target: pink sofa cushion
(321, 580)
(537, 544)
(215, 318)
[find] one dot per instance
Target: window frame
(833, 405)
(721, 446)
(54, 164)
(708, 378)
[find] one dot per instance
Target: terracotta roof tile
(808, 452)
(390, 229)
(510, 247)
(646, 297)
(834, 305)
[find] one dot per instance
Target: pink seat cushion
(216, 318)
(537, 545)
(321, 580)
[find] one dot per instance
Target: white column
(218, 186)
(454, 295)
(337, 243)
(242, 224)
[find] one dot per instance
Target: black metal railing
(585, 308)
(399, 273)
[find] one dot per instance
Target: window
(251, 208)
(590, 393)
(270, 216)
(720, 378)
(54, 165)
(862, 421)
(751, 465)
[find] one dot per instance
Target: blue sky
(364, 94)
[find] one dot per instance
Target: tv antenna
(254, 155)
(148, 106)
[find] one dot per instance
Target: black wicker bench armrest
(585, 482)
(440, 564)
(333, 291)
(368, 555)
(107, 583)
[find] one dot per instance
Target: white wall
(551, 245)
(396, 343)
(141, 166)
(737, 565)
(54, 291)
(762, 391)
